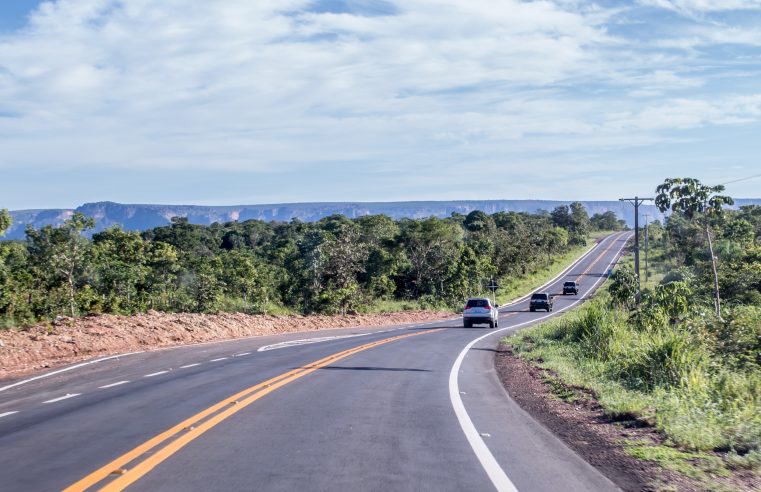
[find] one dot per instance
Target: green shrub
(662, 358)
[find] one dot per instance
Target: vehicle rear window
(478, 303)
(570, 284)
(539, 296)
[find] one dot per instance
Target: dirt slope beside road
(72, 340)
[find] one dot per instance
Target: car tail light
(467, 307)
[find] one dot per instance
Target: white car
(480, 310)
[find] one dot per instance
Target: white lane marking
(77, 366)
(65, 397)
(217, 360)
(493, 469)
(307, 341)
(113, 384)
(190, 365)
(7, 413)
(155, 374)
(241, 355)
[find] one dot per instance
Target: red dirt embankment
(71, 340)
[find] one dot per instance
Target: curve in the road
(492, 468)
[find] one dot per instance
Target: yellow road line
(217, 413)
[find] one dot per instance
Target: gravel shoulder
(71, 340)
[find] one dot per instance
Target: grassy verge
(671, 378)
(513, 288)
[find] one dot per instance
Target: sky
(240, 102)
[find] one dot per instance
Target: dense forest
(335, 265)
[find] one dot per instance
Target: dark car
(570, 287)
(540, 300)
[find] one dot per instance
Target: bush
(663, 358)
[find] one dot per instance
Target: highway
(398, 408)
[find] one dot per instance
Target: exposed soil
(582, 425)
(69, 340)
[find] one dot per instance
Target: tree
(578, 226)
(606, 221)
(119, 261)
(60, 253)
(623, 289)
(561, 217)
(430, 245)
(5, 221)
(691, 198)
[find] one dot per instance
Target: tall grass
(674, 376)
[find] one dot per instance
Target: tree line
(334, 265)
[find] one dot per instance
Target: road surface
(406, 408)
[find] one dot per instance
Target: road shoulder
(574, 416)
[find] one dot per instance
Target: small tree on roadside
(623, 289)
(60, 253)
(690, 198)
(5, 221)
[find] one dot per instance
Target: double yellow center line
(175, 438)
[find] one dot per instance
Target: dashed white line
(65, 397)
(77, 366)
(7, 413)
(217, 360)
(190, 365)
(241, 355)
(113, 384)
(155, 374)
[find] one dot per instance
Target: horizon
(349, 202)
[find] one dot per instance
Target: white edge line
(66, 397)
(155, 374)
(497, 475)
(77, 366)
(113, 384)
(7, 413)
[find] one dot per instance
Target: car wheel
(466, 324)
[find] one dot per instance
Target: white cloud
(704, 6)
(276, 87)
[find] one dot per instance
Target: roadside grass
(696, 465)
(669, 378)
(516, 287)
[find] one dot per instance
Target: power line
(742, 179)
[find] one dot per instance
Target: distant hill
(142, 217)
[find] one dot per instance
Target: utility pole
(647, 242)
(636, 201)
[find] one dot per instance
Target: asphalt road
(415, 408)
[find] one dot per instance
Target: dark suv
(570, 287)
(540, 300)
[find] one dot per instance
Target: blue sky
(240, 102)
